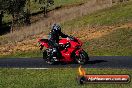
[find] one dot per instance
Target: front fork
(78, 52)
(53, 54)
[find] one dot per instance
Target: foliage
(12, 6)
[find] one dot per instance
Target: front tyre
(47, 57)
(82, 58)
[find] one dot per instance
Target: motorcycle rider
(54, 35)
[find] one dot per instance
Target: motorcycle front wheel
(82, 58)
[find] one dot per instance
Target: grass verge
(54, 78)
(27, 54)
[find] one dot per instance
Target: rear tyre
(82, 58)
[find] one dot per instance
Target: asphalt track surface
(94, 62)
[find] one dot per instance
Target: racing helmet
(56, 28)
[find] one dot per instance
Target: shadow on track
(73, 63)
(96, 61)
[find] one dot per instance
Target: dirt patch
(84, 34)
(97, 32)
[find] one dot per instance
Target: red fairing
(74, 46)
(44, 42)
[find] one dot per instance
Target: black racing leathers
(54, 38)
(54, 41)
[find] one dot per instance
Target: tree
(27, 13)
(3, 5)
(1, 16)
(13, 7)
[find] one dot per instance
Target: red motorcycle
(70, 49)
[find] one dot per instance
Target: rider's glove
(71, 37)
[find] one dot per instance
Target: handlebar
(71, 37)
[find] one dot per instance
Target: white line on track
(33, 68)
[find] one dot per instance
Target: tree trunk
(45, 11)
(27, 15)
(12, 25)
(1, 16)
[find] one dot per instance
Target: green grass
(120, 13)
(36, 6)
(68, 2)
(27, 54)
(117, 43)
(54, 78)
